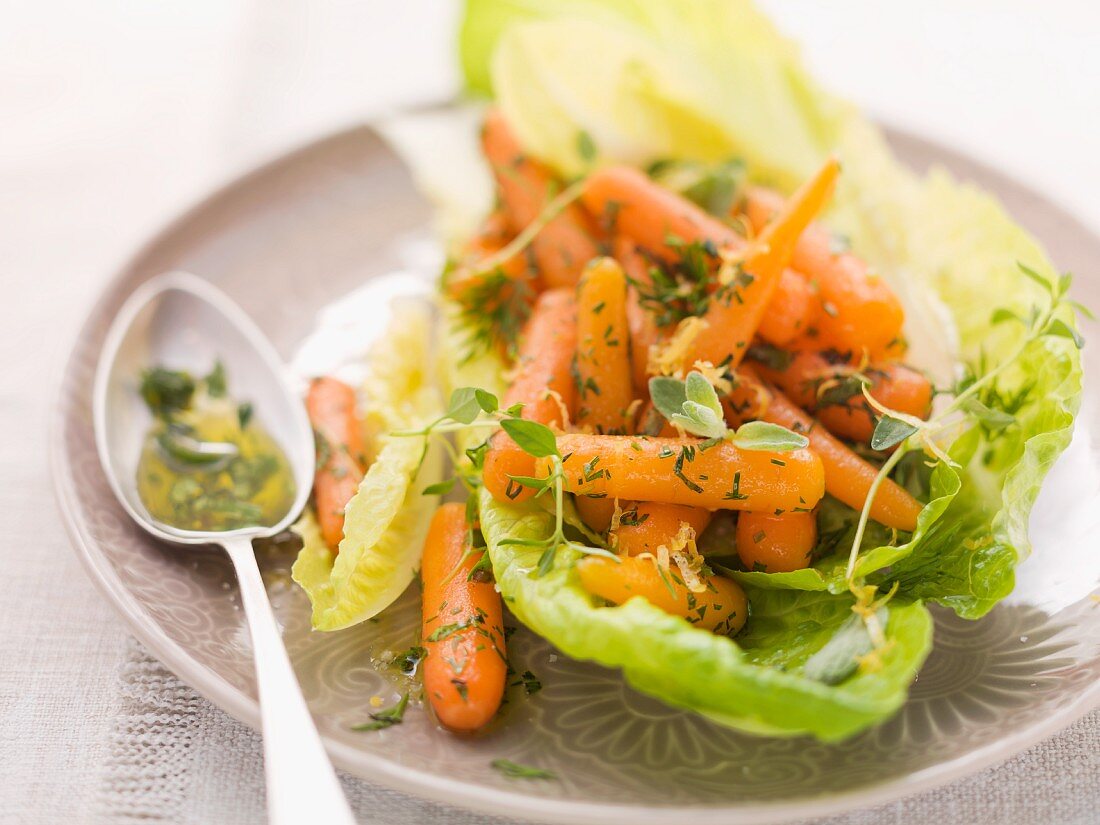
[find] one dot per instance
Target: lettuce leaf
(706, 79)
(753, 684)
(387, 519)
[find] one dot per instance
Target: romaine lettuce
(387, 519)
(754, 684)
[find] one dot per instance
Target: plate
(292, 238)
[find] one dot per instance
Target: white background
(115, 114)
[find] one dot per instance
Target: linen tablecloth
(114, 116)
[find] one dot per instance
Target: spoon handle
(301, 783)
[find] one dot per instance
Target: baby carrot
(792, 310)
(633, 205)
(643, 326)
(847, 476)
(331, 407)
(463, 629)
(832, 392)
(604, 386)
(720, 608)
(776, 543)
(645, 212)
(860, 310)
(597, 513)
(565, 244)
(493, 236)
(680, 471)
(543, 383)
(646, 525)
(735, 312)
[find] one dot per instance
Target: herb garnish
(386, 718)
(693, 406)
(514, 770)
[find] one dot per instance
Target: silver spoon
(181, 321)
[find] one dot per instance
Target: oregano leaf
(762, 435)
(532, 437)
(889, 432)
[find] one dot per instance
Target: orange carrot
(463, 628)
(646, 525)
(493, 236)
(633, 205)
(792, 310)
(847, 476)
(860, 310)
(597, 513)
(331, 407)
(678, 471)
(831, 390)
(643, 211)
(543, 383)
(776, 543)
(565, 244)
(734, 315)
(604, 387)
(721, 607)
(643, 326)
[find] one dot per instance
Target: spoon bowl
(181, 322)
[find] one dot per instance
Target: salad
(716, 393)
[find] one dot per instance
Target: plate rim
(441, 789)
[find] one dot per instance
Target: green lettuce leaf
(708, 79)
(753, 684)
(387, 519)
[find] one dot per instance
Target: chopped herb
(448, 630)
(408, 661)
(215, 381)
(166, 391)
(529, 681)
(386, 718)
(460, 686)
(514, 770)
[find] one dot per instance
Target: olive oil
(207, 464)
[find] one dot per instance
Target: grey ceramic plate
(297, 234)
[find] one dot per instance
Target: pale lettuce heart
(386, 521)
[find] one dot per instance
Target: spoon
(181, 321)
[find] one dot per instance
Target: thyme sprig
(471, 407)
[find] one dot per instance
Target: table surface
(114, 116)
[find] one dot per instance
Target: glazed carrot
(597, 513)
(565, 244)
(776, 543)
(463, 629)
(493, 235)
(646, 212)
(734, 315)
(543, 383)
(646, 525)
(721, 607)
(643, 326)
(792, 310)
(827, 389)
(860, 309)
(604, 386)
(847, 476)
(331, 407)
(677, 471)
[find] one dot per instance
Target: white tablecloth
(113, 116)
